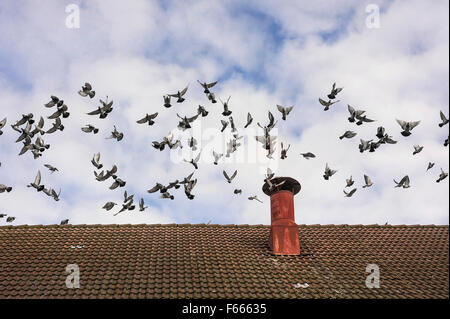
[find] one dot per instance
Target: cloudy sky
(263, 53)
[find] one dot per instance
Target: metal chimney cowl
(284, 234)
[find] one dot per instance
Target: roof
(222, 261)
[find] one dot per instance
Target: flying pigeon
(334, 92)
(326, 104)
(89, 128)
(25, 118)
(442, 176)
(255, 198)
(109, 205)
(226, 111)
(367, 181)
(446, 141)
(444, 120)
(237, 191)
(224, 125)
(207, 86)
(192, 142)
(380, 132)
(349, 182)
(328, 172)
(4, 188)
(308, 155)
(347, 134)
(53, 101)
(141, 205)
(201, 110)
(38, 128)
(3, 215)
(103, 110)
(51, 168)
(96, 161)
(373, 146)
(249, 120)
(167, 101)
(233, 127)
(116, 135)
(2, 125)
(37, 182)
(430, 165)
(216, 157)
(188, 187)
(167, 195)
(56, 126)
(350, 194)
(148, 119)
(179, 95)
(364, 145)
(284, 151)
(10, 219)
(362, 118)
(417, 149)
(64, 222)
(185, 121)
(229, 179)
(194, 161)
(60, 111)
(284, 110)
(404, 182)
(117, 183)
(354, 113)
(212, 97)
(86, 90)
(407, 126)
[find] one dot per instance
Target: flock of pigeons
(26, 133)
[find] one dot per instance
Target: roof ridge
(217, 225)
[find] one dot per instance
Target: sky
(390, 57)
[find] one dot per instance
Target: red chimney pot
(284, 235)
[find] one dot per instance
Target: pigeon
(179, 95)
(2, 125)
(212, 97)
(38, 128)
(51, 168)
(362, 118)
(188, 187)
(216, 157)
(109, 205)
(207, 86)
(86, 90)
(194, 161)
(89, 128)
(404, 182)
(380, 132)
(349, 182)
(25, 118)
(249, 120)
(350, 194)
(443, 118)
(387, 139)
(407, 126)
(269, 174)
(308, 155)
(226, 111)
(284, 151)
(255, 198)
(373, 146)
(233, 127)
(141, 205)
(446, 141)
(328, 172)
(157, 187)
(327, 104)
(148, 119)
(367, 181)
(273, 186)
(25, 132)
(364, 145)
(116, 135)
(117, 183)
(442, 176)
(127, 198)
(284, 110)
(55, 195)
(201, 110)
(53, 101)
(185, 121)
(3, 215)
(37, 182)
(56, 126)
(334, 92)
(60, 111)
(64, 222)
(167, 101)
(167, 195)
(347, 134)
(4, 188)
(10, 219)
(354, 113)
(26, 146)
(192, 142)
(96, 161)
(175, 184)
(103, 110)
(237, 191)
(127, 206)
(417, 149)
(224, 125)
(430, 165)
(229, 179)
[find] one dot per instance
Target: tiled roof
(222, 261)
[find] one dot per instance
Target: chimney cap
(290, 184)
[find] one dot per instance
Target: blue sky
(263, 53)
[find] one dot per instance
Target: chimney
(284, 236)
